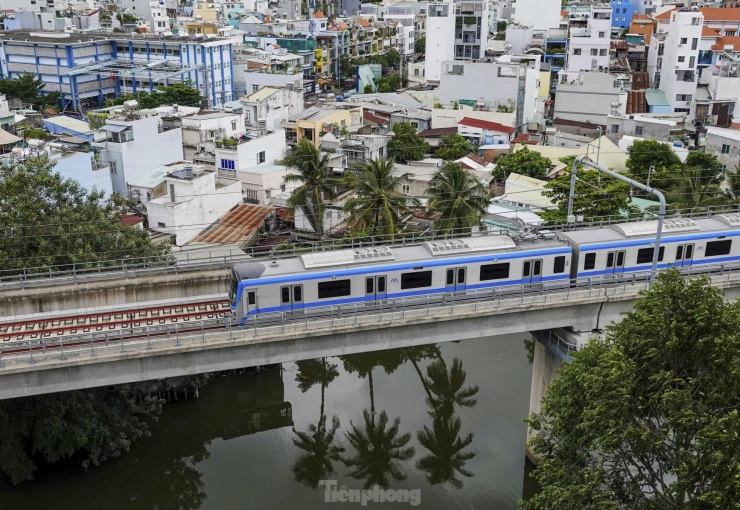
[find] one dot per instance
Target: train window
(689, 251)
(251, 298)
(369, 286)
(537, 268)
(589, 261)
(285, 294)
(679, 252)
(494, 271)
(717, 248)
(461, 275)
(610, 260)
(450, 276)
(298, 293)
(416, 280)
(334, 288)
(559, 266)
(233, 286)
(381, 283)
(645, 255)
(525, 271)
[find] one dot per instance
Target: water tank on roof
(131, 104)
(678, 144)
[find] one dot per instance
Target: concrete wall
(585, 97)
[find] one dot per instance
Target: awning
(115, 128)
(7, 138)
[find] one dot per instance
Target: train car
(690, 244)
(347, 278)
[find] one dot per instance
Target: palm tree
(379, 201)
(378, 450)
(447, 457)
(447, 388)
(312, 172)
(695, 191)
(733, 187)
(317, 462)
(458, 197)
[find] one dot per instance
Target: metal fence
(201, 334)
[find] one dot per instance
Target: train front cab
(244, 299)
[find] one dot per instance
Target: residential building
(622, 12)
(83, 167)
(455, 30)
(200, 131)
(82, 66)
(673, 59)
(589, 34)
(255, 80)
(232, 156)
(405, 17)
(642, 25)
(725, 144)
(188, 199)
(718, 93)
(539, 14)
(135, 144)
(313, 122)
(261, 182)
(588, 96)
(481, 132)
(270, 105)
(416, 74)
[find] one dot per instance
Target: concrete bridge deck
(138, 356)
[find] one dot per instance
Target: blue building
(89, 68)
(622, 11)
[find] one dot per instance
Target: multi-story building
(266, 108)
(587, 96)
(622, 11)
(538, 14)
(673, 60)
(725, 144)
(455, 30)
(590, 34)
(315, 121)
(82, 66)
(404, 16)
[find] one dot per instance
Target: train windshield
(233, 287)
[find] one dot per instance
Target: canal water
(436, 425)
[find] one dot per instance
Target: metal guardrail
(184, 261)
(556, 344)
(220, 332)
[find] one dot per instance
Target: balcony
(580, 32)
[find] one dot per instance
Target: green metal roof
(656, 97)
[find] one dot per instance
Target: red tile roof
(319, 14)
(709, 32)
(727, 41)
(433, 133)
(375, 119)
(363, 23)
(484, 124)
(636, 102)
(642, 18)
(129, 220)
(720, 14)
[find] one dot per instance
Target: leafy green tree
(501, 26)
(60, 223)
(646, 153)
(705, 161)
(695, 190)
(596, 196)
(524, 162)
(390, 83)
(30, 89)
(310, 169)
(93, 425)
(454, 146)
(458, 197)
(35, 133)
(420, 45)
(378, 203)
(178, 93)
(648, 417)
(405, 145)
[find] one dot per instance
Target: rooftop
(484, 124)
(264, 168)
(237, 226)
(57, 37)
(70, 123)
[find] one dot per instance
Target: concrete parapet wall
(88, 295)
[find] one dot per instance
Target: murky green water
(445, 420)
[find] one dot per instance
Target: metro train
(435, 269)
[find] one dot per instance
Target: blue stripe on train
(648, 242)
(397, 295)
(647, 267)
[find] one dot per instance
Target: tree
(596, 196)
(695, 190)
(458, 197)
(524, 162)
(454, 146)
(311, 169)
(60, 223)
(707, 163)
(405, 145)
(94, 425)
(646, 153)
(389, 83)
(379, 202)
(648, 416)
(29, 89)
(501, 26)
(420, 45)
(178, 93)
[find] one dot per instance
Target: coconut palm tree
(694, 191)
(447, 387)
(379, 202)
(310, 169)
(458, 197)
(447, 458)
(318, 441)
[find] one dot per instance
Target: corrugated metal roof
(656, 97)
(236, 226)
(69, 123)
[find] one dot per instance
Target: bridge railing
(196, 334)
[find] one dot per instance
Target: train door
(532, 271)
(250, 300)
(684, 255)
(291, 297)
(615, 262)
(455, 279)
(375, 288)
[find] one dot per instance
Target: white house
(260, 183)
(249, 151)
(189, 199)
(272, 105)
(483, 132)
(725, 144)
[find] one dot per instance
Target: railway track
(111, 321)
